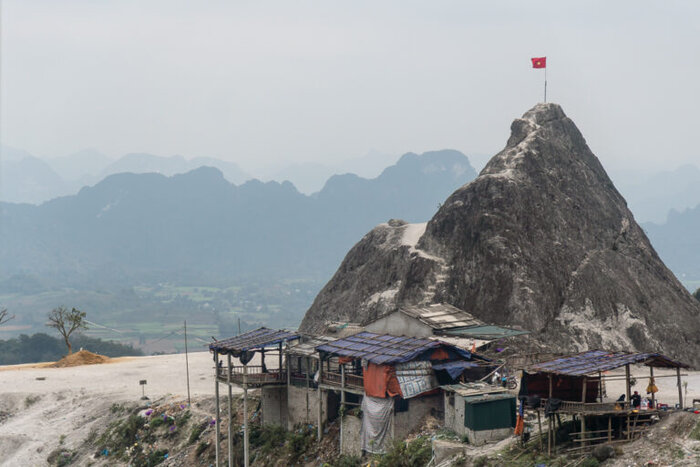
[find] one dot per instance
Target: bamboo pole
(609, 428)
(651, 375)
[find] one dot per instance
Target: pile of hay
(82, 357)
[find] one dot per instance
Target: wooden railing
(571, 407)
(335, 379)
(255, 376)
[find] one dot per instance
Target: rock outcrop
(541, 240)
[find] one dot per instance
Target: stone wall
(418, 408)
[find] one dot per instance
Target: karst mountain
(541, 239)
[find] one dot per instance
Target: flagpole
(545, 84)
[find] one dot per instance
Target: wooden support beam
(342, 404)
(230, 413)
(583, 416)
(539, 424)
(320, 399)
(651, 376)
(280, 361)
(609, 428)
(680, 387)
(218, 409)
(627, 384)
(246, 461)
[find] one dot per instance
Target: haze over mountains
(198, 229)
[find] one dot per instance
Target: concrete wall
(274, 405)
(351, 436)
(418, 408)
(477, 438)
(399, 324)
(303, 409)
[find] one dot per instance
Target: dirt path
(41, 407)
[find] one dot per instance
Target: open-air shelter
(573, 384)
(243, 348)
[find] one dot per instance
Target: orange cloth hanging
(519, 426)
(344, 360)
(380, 380)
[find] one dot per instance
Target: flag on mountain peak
(539, 62)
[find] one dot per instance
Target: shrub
(417, 453)
(347, 461)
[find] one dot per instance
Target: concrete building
(480, 412)
(442, 322)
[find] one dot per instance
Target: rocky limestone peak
(541, 239)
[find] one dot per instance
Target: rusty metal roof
(252, 340)
(594, 361)
(442, 316)
(385, 348)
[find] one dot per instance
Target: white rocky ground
(68, 403)
(41, 407)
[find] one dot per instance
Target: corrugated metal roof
(474, 389)
(384, 348)
(252, 340)
(441, 316)
(486, 332)
(306, 346)
(594, 361)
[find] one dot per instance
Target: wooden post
(600, 386)
(539, 424)
(342, 403)
(680, 388)
(245, 416)
(550, 385)
(308, 386)
(549, 435)
(230, 414)
(280, 362)
(187, 368)
(320, 398)
(218, 411)
(651, 375)
(583, 416)
(609, 428)
(627, 384)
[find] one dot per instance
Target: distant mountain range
(678, 243)
(150, 227)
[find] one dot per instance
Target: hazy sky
(266, 82)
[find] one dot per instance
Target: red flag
(539, 62)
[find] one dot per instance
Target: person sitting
(636, 400)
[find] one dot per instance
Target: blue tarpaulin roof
(594, 361)
(385, 348)
(252, 340)
(455, 368)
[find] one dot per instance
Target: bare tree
(66, 322)
(5, 316)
